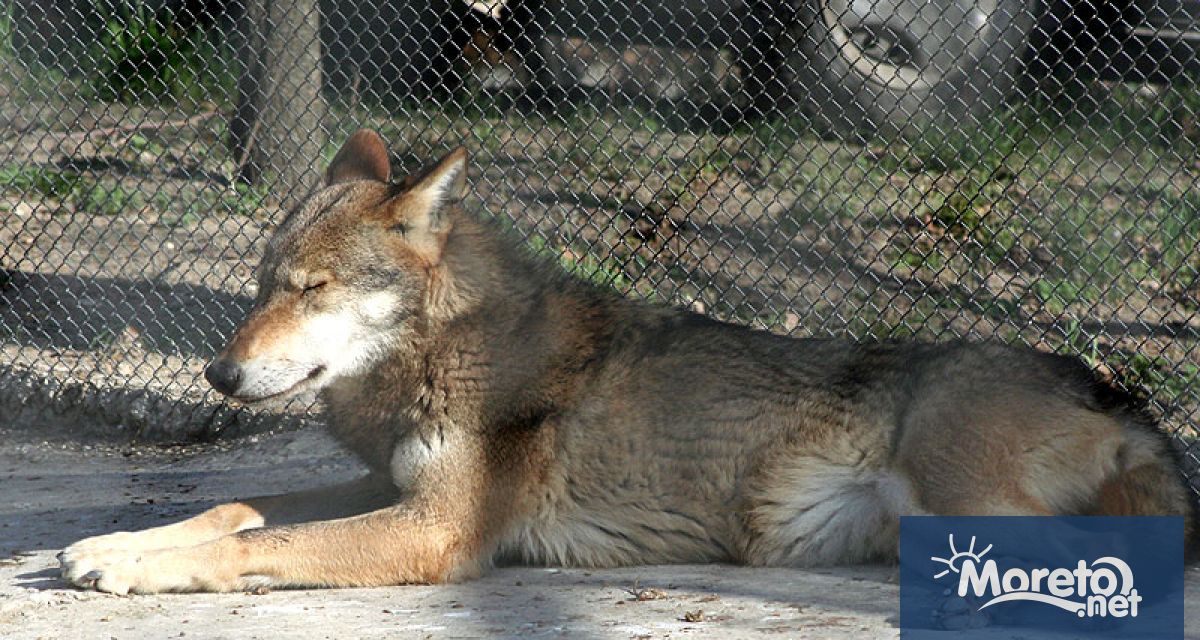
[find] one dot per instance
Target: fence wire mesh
(1008, 169)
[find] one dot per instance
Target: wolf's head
(342, 277)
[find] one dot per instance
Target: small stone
(954, 606)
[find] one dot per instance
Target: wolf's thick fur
(510, 412)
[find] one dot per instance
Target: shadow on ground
(53, 494)
(51, 311)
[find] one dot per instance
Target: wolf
(508, 412)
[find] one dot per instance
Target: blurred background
(1015, 169)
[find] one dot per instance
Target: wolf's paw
(123, 571)
(958, 613)
(103, 569)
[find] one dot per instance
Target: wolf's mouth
(291, 391)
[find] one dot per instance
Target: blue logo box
(1041, 577)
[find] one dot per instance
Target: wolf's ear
(417, 212)
(363, 157)
(445, 183)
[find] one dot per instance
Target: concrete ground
(54, 491)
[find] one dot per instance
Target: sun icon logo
(955, 562)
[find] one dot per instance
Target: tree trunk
(277, 131)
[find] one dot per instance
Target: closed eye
(315, 286)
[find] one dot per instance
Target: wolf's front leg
(396, 545)
(352, 498)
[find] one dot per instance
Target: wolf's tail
(1150, 478)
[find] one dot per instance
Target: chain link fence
(1010, 169)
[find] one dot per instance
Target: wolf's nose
(224, 376)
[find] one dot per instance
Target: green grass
(35, 181)
(103, 340)
(1170, 382)
(238, 200)
(107, 198)
(144, 56)
(1099, 189)
(7, 54)
(1057, 295)
(88, 194)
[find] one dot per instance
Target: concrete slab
(54, 490)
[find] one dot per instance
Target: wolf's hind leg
(1145, 481)
(365, 494)
(826, 510)
(1145, 490)
(1152, 488)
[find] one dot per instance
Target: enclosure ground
(55, 488)
(55, 492)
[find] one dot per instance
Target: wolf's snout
(224, 375)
